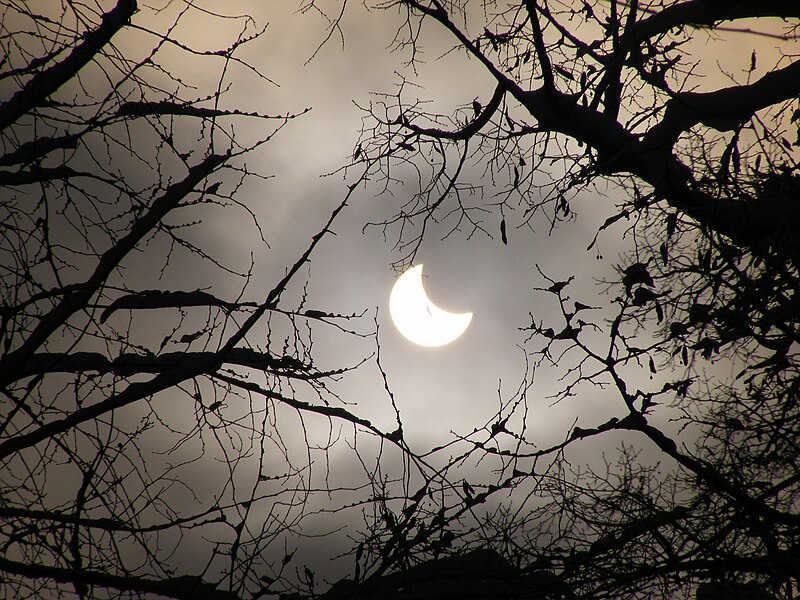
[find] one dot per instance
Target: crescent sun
(417, 318)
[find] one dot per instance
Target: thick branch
(40, 175)
(538, 43)
(620, 151)
(134, 392)
(637, 422)
(183, 371)
(185, 109)
(106, 523)
(724, 109)
(42, 145)
(39, 147)
(187, 587)
(471, 128)
(634, 530)
(131, 364)
(650, 158)
(150, 299)
(709, 12)
(78, 299)
(327, 411)
(47, 82)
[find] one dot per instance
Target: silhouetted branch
(184, 587)
(46, 82)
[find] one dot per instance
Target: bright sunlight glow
(417, 318)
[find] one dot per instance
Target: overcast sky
(353, 271)
(437, 390)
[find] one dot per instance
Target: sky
(454, 388)
(437, 390)
(459, 386)
(353, 269)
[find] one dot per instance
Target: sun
(417, 318)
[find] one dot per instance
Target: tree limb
(48, 81)
(75, 301)
(181, 588)
(709, 12)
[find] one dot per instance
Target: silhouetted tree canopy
(698, 336)
(143, 376)
(166, 430)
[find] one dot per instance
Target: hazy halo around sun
(417, 318)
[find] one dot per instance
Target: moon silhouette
(419, 319)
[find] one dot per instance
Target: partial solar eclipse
(417, 318)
